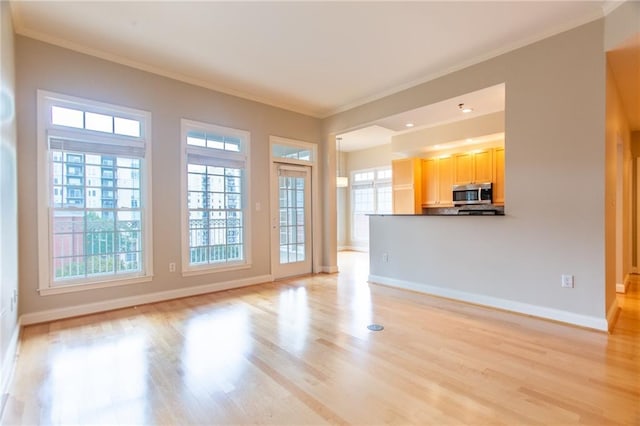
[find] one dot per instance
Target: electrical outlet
(385, 257)
(172, 267)
(567, 281)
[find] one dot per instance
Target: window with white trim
(93, 194)
(214, 197)
(370, 194)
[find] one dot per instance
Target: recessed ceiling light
(464, 109)
(409, 125)
(469, 140)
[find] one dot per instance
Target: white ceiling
(484, 101)
(316, 58)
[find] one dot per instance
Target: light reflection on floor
(293, 319)
(110, 377)
(214, 346)
(354, 289)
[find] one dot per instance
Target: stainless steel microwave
(475, 193)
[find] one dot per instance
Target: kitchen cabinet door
(430, 187)
(403, 171)
(445, 181)
(498, 176)
(463, 168)
(483, 170)
(406, 185)
(437, 181)
(473, 167)
(403, 201)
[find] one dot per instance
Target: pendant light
(341, 181)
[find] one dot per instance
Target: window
(93, 217)
(370, 194)
(291, 152)
(214, 198)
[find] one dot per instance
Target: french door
(291, 220)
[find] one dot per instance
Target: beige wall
(43, 66)
(8, 196)
(378, 156)
(555, 184)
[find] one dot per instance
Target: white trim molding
(496, 302)
(126, 302)
(612, 314)
(622, 287)
(9, 359)
(329, 269)
(361, 249)
(316, 226)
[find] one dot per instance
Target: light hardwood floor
(299, 352)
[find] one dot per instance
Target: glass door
(291, 220)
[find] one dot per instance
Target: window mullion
(84, 213)
(206, 215)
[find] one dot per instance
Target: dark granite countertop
(463, 211)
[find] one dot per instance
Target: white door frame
(296, 267)
(315, 189)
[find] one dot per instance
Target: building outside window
(94, 215)
(370, 194)
(214, 194)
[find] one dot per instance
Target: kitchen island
(475, 260)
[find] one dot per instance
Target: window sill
(73, 288)
(213, 269)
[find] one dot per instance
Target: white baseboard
(125, 302)
(495, 302)
(622, 287)
(363, 249)
(9, 360)
(329, 269)
(612, 314)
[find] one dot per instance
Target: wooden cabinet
(473, 167)
(483, 166)
(406, 181)
(437, 180)
(428, 182)
(498, 176)
(462, 168)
